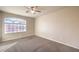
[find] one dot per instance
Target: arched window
(13, 25)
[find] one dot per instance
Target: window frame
(15, 30)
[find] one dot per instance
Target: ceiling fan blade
(27, 11)
(28, 8)
(38, 11)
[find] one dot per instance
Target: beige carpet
(34, 44)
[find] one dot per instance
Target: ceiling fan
(32, 9)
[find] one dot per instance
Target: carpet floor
(34, 44)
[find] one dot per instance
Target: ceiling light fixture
(33, 10)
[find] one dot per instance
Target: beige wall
(10, 36)
(61, 26)
(0, 26)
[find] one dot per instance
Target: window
(13, 25)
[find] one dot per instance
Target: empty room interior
(39, 28)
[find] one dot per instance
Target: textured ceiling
(21, 10)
